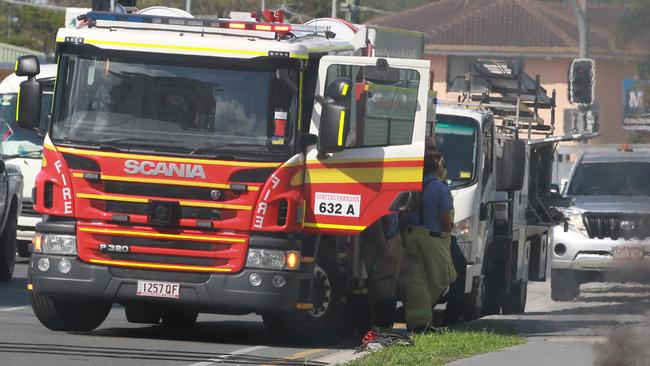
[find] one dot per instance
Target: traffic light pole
(580, 10)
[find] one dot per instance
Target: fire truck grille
(28, 209)
(169, 244)
(616, 226)
(199, 213)
(169, 259)
(167, 191)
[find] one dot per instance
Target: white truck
(27, 144)
(500, 176)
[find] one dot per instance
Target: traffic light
(581, 81)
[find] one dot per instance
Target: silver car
(607, 234)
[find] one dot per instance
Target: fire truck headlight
(55, 244)
(271, 259)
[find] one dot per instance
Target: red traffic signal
(581, 81)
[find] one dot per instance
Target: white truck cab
(28, 144)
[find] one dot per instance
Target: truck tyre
(494, 286)
(72, 315)
(515, 302)
(23, 248)
(179, 317)
(472, 303)
(326, 321)
(564, 285)
(142, 314)
(8, 246)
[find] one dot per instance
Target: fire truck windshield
(180, 104)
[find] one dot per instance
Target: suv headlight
(55, 244)
(575, 220)
(463, 229)
(272, 259)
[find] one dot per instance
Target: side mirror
(28, 112)
(511, 166)
(554, 190)
(28, 66)
(334, 128)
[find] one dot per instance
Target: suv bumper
(585, 254)
(220, 293)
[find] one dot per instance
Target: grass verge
(446, 346)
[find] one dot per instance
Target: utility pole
(188, 6)
(333, 9)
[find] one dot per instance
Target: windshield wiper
(218, 148)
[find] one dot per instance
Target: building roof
(512, 27)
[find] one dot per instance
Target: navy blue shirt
(436, 200)
(390, 224)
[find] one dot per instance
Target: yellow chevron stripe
(334, 226)
(158, 266)
(160, 235)
(359, 175)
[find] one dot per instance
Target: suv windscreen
(20, 141)
(611, 179)
(175, 103)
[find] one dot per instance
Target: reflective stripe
(111, 198)
(104, 197)
(182, 48)
(334, 226)
(159, 266)
(341, 124)
(160, 235)
(344, 92)
(78, 151)
(165, 181)
(360, 175)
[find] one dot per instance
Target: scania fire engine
(220, 166)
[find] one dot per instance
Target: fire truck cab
(220, 166)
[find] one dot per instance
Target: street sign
(636, 111)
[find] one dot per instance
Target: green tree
(30, 27)
(634, 27)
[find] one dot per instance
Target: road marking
(301, 354)
(220, 359)
(14, 308)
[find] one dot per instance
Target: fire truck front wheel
(69, 314)
(325, 321)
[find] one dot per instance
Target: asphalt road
(608, 325)
(215, 340)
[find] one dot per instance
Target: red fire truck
(220, 166)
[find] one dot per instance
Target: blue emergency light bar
(94, 16)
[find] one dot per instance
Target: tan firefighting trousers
(428, 271)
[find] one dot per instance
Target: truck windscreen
(611, 179)
(456, 140)
(175, 104)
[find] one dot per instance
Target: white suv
(607, 234)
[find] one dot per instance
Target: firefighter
(428, 266)
(382, 255)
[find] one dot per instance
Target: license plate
(166, 290)
(627, 253)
